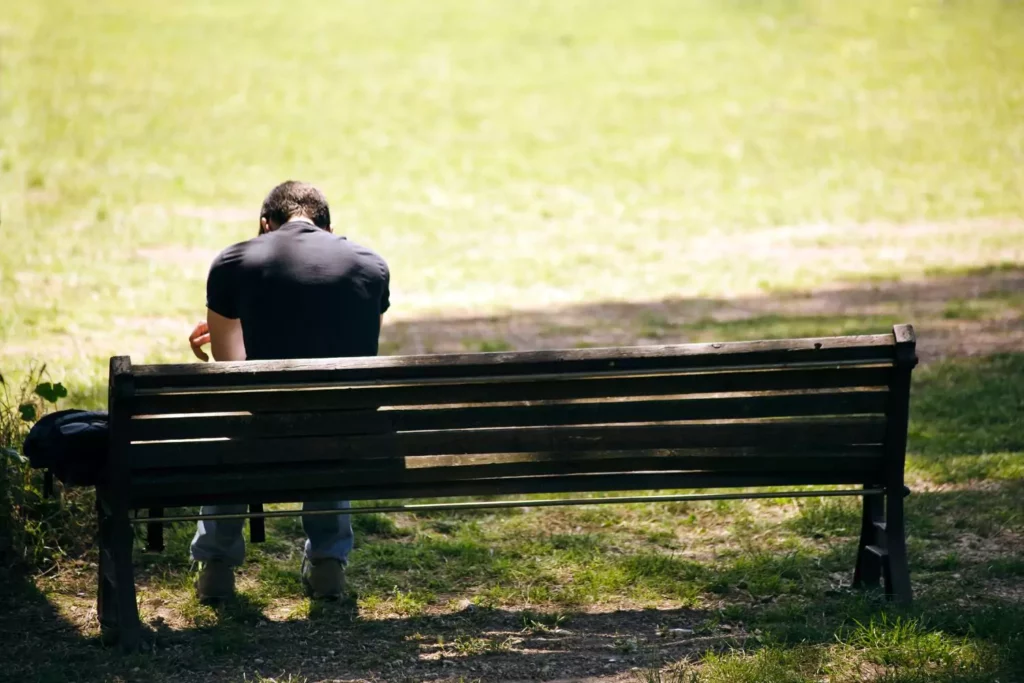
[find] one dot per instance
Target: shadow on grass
(455, 600)
(42, 645)
(957, 313)
(777, 597)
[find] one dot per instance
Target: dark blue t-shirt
(301, 292)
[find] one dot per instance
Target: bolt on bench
(796, 412)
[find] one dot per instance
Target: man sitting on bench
(294, 291)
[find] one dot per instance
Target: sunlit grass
(500, 155)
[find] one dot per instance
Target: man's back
(301, 292)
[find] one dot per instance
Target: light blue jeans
(327, 536)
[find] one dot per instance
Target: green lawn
(501, 155)
(547, 174)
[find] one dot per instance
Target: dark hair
(292, 198)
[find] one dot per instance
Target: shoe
(323, 579)
(216, 582)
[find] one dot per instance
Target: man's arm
(223, 330)
(226, 341)
(229, 330)
(199, 338)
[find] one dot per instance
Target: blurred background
(690, 158)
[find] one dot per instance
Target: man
(294, 291)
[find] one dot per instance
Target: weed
(680, 672)
(36, 530)
(541, 622)
(282, 678)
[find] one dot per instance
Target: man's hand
(200, 336)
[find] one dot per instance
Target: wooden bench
(799, 412)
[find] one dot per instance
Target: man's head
(294, 200)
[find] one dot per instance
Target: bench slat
(328, 423)
(865, 462)
(679, 356)
(511, 389)
(163, 497)
(390, 464)
(787, 434)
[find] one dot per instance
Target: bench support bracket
(116, 605)
(882, 551)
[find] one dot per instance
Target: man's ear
(264, 225)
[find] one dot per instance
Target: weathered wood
(522, 485)
(117, 598)
(257, 529)
(429, 393)
(396, 463)
(269, 480)
(674, 357)
(461, 467)
(782, 434)
(329, 423)
(897, 585)
(116, 476)
(129, 628)
(868, 570)
(155, 532)
(262, 425)
(106, 596)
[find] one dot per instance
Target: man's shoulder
(366, 255)
(232, 256)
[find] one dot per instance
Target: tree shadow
(752, 596)
(957, 313)
(785, 594)
(39, 642)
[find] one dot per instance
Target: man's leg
(328, 536)
(328, 543)
(219, 545)
(220, 540)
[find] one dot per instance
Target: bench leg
(106, 597)
(116, 605)
(868, 572)
(127, 607)
(155, 532)
(257, 528)
(897, 575)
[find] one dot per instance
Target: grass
(699, 592)
(502, 155)
(973, 426)
(542, 174)
(732, 591)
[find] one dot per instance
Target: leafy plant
(35, 530)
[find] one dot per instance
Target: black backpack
(71, 445)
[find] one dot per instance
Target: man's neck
(299, 219)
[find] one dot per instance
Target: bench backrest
(790, 412)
